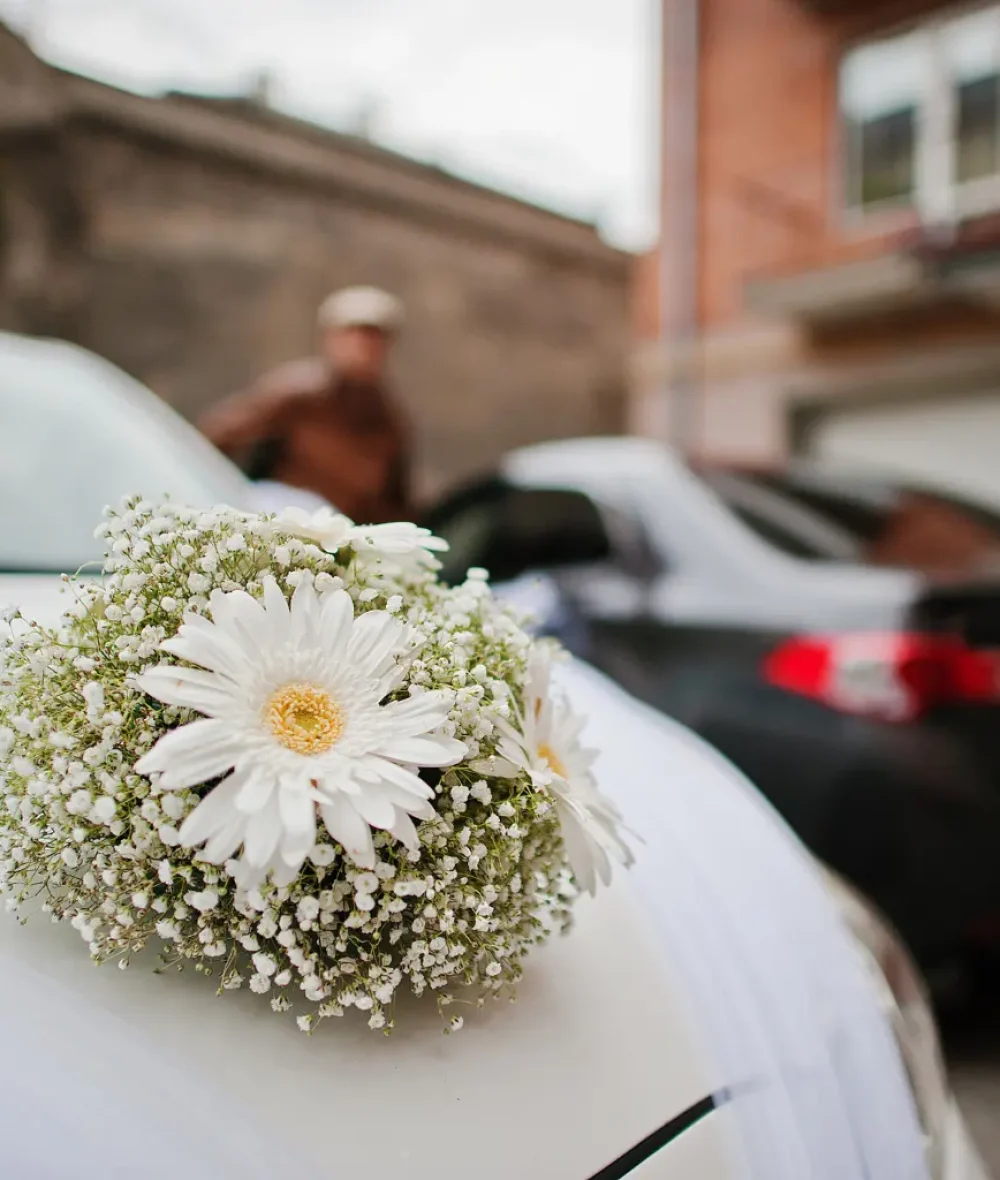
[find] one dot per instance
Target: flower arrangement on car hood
(283, 749)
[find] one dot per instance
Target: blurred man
(328, 424)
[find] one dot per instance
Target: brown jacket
(303, 426)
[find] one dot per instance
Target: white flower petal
(297, 809)
(199, 641)
(284, 872)
(506, 730)
(428, 750)
(336, 615)
(511, 751)
(404, 831)
(374, 807)
(256, 792)
(604, 826)
(417, 715)
(213, 815)
(349, 830)
(263, 834)
(583, 854)
(397, 538)
(277, 611)
(189, 688)
(298, 814)
(326, 528)
(538, 674)
(221, 846)
(494, 767)
(305, 613)
(406, 784)
(192, 754)
(374, 636)
(295, 517)
(392, 679)
(236, 612)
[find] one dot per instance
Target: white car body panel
(76, 434)
(717, 961)
(349, 1102)
(717, 570)
(42, 596)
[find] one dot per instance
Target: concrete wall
(196, 269)
(205, 276)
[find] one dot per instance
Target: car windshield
(830, 516)
(77, 434)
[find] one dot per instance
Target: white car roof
(615, 457)
(81, 433)
(73, 364)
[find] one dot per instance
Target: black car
(837, 638)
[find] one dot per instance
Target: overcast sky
(550, 99)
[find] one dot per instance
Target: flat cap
(361, 307)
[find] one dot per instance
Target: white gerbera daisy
(549, 749)
(324, 527)
(292, 697)
(332, 532)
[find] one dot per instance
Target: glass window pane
(897, 525)
(978, 131)
(971, 52)
(886, 154)
(882, 87)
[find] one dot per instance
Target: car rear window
(875, 522)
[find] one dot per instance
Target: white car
(723, 1011)
(76, 434)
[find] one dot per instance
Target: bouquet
(279, 748)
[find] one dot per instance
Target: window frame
(938, 197)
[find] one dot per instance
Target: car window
(793, 528)
(791, 541)
(467, 520)
(75, 436)
(861, 507)
(513, 531)
(892, 523)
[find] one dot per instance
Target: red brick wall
(645, 307)
(770, 173)
(764, 90)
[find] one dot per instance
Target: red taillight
(889, 675)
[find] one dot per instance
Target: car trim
(671, 1130)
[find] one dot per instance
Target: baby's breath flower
(483, 880)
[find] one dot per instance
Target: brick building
(828, 279)
(190, 241)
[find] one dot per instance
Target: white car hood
(41, 597)
(716, 962)
(44, 597)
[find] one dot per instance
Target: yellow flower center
(304, 718)
(552, 760)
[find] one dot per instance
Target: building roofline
(247, 110)
(294, 148)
